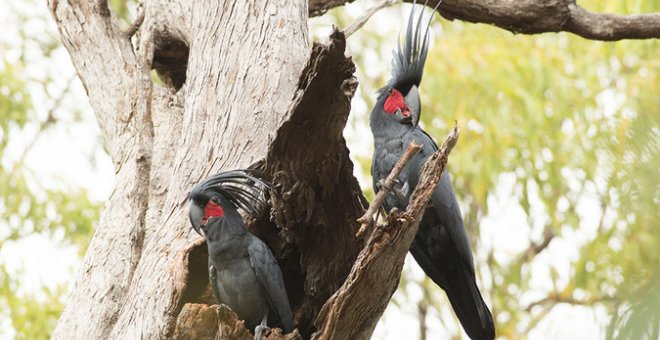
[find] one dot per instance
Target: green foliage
(31, 208)
(27, 205)
(124, 10)
(27, 208)
(14, 101)
(552, 109)
(32, 317)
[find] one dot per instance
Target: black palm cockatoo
(441, 246)
(243, 272)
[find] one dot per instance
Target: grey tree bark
(243, 88)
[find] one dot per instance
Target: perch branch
(353, 311)
(367, 219)
(534, 17)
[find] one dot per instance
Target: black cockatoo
(243, 272)
(441, 245)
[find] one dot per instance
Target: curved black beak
(414, 105)
(196, 214)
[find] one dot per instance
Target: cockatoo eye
(395, 102)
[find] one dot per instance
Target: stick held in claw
(368, 218)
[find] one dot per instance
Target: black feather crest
(240, 189)
(408, 64)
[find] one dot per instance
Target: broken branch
(430, 176)
(376, 273)
(368, 218)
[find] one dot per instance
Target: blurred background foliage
(34, 207)
(556, 169)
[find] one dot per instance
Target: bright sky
(71, 155)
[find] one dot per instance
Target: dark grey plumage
(243, 272)
(441, 245)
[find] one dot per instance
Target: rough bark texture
(315, 197)
(204, 322)
(534, 16)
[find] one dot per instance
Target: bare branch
(536, 248)
(555, 298)
(605, 26)
(376, 273)
(48, 122)
(130, 31)
(430, 176)
(359, 22)
(538, 317)
(319, 7)
(367, 219)
(533, 17)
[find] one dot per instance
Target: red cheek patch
(212, 210)
(394, 102)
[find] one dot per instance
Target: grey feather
(269, 275)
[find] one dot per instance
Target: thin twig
(368, 218)
(49, 121)
(538, 317)
(536, 248)
(359, 22)
(130, 31)
(555, 298)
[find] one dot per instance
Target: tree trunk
(241, 62)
